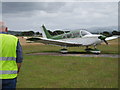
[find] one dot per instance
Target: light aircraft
(72, 39)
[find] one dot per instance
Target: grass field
(43, 71)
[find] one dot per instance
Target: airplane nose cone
(103, 39)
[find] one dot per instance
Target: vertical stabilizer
(45, 33)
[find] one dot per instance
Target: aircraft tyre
(63, 51)
(95, 51)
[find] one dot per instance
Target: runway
(76, 54)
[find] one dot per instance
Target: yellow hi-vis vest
(8, 66)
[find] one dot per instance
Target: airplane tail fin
(45, 33)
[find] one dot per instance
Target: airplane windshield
(83, 33)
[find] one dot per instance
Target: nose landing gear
(64, 51)
(90, 50)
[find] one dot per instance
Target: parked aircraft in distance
(73, 39)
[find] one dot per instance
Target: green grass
(105, 49)
(43, 71)
(68, 72)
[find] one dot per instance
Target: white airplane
(73, 39)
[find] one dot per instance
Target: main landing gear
(90, 50)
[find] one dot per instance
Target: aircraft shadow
(69, 52)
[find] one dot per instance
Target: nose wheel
(64, 51)
(90, 50)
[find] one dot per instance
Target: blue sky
(59, 15)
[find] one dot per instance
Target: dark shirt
(19, 57)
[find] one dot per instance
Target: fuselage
(82, 37)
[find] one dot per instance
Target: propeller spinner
(103, 39)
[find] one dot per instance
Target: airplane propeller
(103, 38)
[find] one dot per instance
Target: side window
(76, 34)
(68, 35)
(64, 36)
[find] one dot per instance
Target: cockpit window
(72, 35)
(83, 33)
(69, 35)
(76, 34)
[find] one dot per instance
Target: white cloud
(60, 0)
(70, 15)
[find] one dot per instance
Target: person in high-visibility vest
(10, 58)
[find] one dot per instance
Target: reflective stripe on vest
(8, 72)
(7, 58)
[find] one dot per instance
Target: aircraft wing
(54, 42)
(111, 38)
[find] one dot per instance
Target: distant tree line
(29, 33)
(108, 34)
(58, 32)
